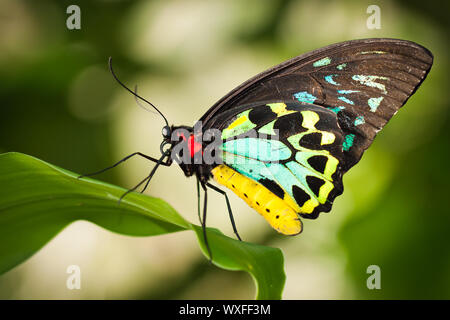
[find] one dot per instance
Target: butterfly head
(166, 133)
(178, 144)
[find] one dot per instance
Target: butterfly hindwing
(293, 149)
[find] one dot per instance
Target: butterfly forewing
(364, 82)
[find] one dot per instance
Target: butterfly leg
(230, 212)
(205, 206)
(167, 153)
(148, 178)
(123, 160)
(198, 201)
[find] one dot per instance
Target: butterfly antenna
(139, 102)
(132, 92)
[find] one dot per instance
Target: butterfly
(285, 138)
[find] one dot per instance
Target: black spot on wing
(272, 186)
(294, 106)
(314, 184)
(318, 163)
(312, 215)
(326, 121)
(289, 124)
(311, 141)
(300, 195)
(261, 114)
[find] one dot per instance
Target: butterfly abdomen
(277, 212)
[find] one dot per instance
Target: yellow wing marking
(275, 210)
(310, 119)
(280, 109)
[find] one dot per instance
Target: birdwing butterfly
(287, 135)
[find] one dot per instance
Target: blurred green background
(59, 103)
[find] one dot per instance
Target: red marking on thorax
(193, 145)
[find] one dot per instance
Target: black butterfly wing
(364, 81)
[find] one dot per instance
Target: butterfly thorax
(187, 150)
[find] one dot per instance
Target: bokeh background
(59, 103)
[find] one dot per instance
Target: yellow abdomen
(276, 211)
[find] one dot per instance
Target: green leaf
(38, 200)
(263, 263)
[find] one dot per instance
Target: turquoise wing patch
(256, 148)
